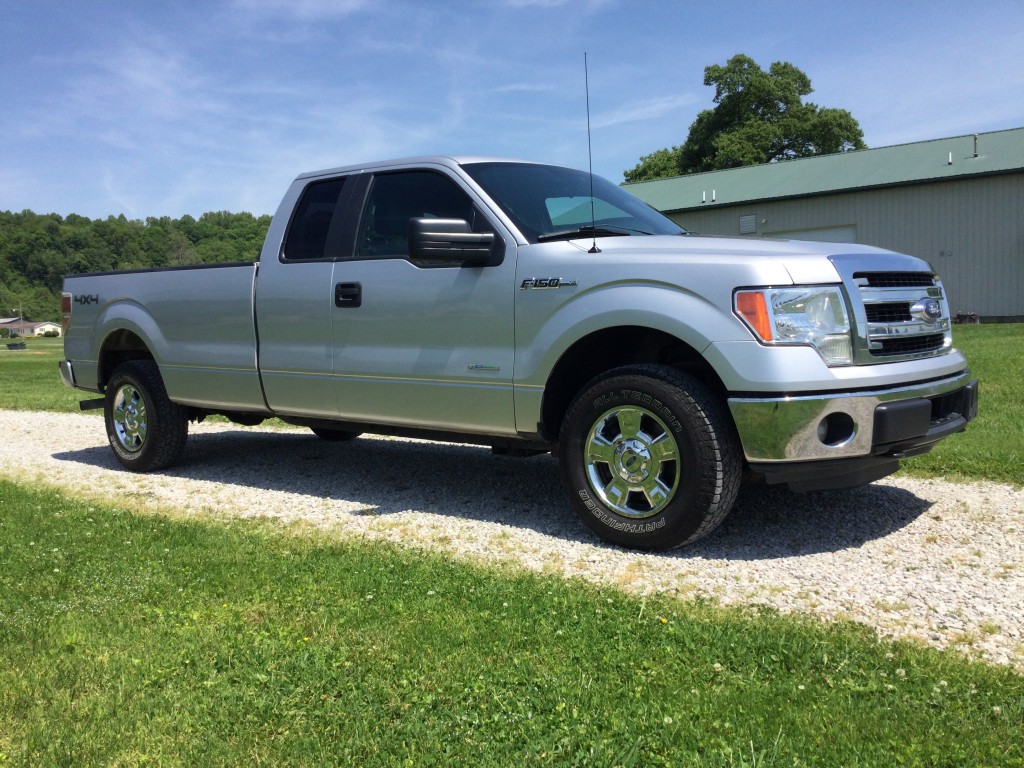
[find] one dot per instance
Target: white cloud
(303, 10)
(643, 111)
(524, 88)
(587, 4)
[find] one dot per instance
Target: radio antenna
(590, 157)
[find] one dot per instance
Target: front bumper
(799, 439)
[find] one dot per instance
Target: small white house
(15, 326)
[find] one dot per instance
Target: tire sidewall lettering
(652, 403)
(120, 451)
(615, 522)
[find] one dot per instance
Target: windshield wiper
(589, 231)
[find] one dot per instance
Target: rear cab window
(317, 216)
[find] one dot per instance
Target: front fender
(544, 333)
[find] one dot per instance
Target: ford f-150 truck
(534, 308)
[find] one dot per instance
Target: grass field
(992, 448)
(136, 640)
(29, 380)
(144, 640)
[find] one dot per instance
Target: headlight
(811, 316)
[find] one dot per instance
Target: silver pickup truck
(534, 308)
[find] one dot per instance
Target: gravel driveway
(925, 559)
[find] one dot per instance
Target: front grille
(914, 345)
(894, 279)
(898, 312)
(891, 295)
(893, 330)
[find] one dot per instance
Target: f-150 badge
(545, 282)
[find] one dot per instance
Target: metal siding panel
(970, 230)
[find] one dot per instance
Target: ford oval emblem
(928, 310)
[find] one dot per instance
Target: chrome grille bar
(900, 311)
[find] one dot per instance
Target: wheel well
(119, 347)
(611, 348)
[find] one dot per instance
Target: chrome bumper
(893, 422)
(79, 374)
(67, 374)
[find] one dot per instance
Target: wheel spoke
(656, 491)
(617, 492)
(629, 422)
(600, 450)
(663, 448)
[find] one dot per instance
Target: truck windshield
(547, 202)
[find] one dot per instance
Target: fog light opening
(836, 430)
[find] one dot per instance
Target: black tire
(145, 429)
(649, 457)
(334, 435)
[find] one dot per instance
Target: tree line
(38, 250)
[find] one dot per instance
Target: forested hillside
(37, 250)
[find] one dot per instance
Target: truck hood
(804, 262)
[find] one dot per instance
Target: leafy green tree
(212, 250)
(180, 251)
(759, 117)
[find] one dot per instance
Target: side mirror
(446, 242)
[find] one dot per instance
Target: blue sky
(166, 108)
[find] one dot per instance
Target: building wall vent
(748, 224)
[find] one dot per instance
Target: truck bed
(198, 320)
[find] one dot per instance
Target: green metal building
(957, 203)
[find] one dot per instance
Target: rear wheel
(649, 457)
(145, 429)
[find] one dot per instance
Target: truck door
(295, 301)
(417, 344)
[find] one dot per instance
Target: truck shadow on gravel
(380, 477)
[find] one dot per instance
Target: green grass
(135, 640)
(992, 448)
(29, 380)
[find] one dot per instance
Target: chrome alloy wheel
(129, 418)
(632, 461)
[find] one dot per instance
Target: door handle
(348, 295)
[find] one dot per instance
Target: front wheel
(145, 428)
(649, 457)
